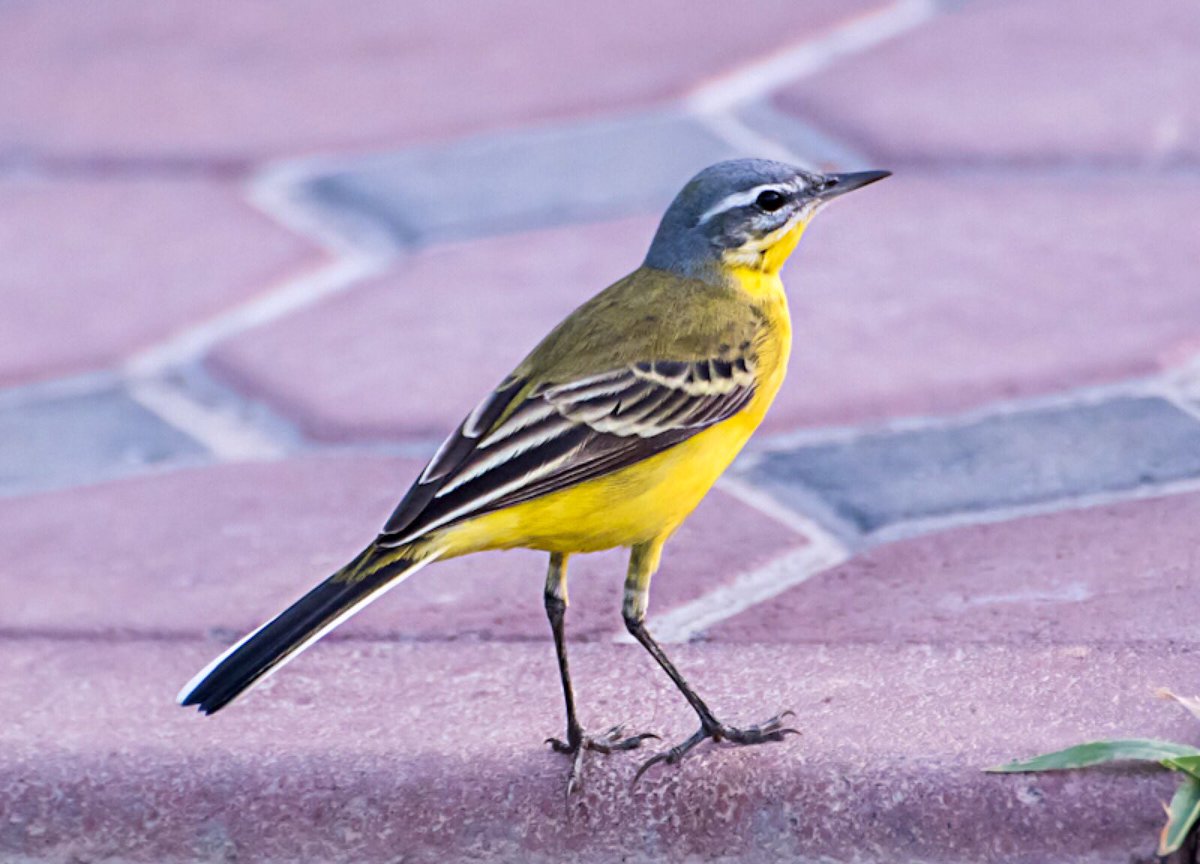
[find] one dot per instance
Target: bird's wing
(524, 440)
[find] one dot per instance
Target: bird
(608, 434)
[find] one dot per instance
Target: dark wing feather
(559, 435)
(451, 454)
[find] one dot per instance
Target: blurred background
(351, 220)
(338, 225)
(256, 259)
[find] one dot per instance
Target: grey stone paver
(528, 178)
(547, 175)
(1006, 460)
(68, 439)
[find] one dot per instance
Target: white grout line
(734, 131)
(293, 295)
(769, 507)
(814, 148)
(1187, 406)
(1173, 387)
(1185, 403)
(221, 430)
(770, 73)
(714, 104)
(823, 550)
(689, 620)
(961, 519)
(1182, 387)
(1080, 396)
(274, 193)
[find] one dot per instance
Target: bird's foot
(578, 743)
(770, 730)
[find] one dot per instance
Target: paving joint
(83, 430)
(688, 621)
(757, 79)
(230, 425)
(961, 519)
(1182, 387)
(821, 551)
(807, 505)
(164, 377)
(1092, 394)
(804, 143)
(351, 259)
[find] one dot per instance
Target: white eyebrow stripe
(738, 199)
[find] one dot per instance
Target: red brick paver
(412, 354)
(1030, 82)
(1122, 574)
(223, 549)
(238, 80)
(96, 269)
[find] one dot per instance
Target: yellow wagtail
(608, 434)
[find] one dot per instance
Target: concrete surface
(253, 267)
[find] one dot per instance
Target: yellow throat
(766, 255)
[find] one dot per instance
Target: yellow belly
(645, 501)
(634, 505)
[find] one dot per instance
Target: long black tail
(298, 626)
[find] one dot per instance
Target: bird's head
(744, 213)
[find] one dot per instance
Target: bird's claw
(769, 730)
(611, 741)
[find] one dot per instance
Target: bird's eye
(770, 200)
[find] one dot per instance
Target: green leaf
(1099, 752)
(1186, 764)
(1182, 813)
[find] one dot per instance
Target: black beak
(840, 184)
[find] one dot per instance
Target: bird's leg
(555, 598)
(577, 741)
(642, 563)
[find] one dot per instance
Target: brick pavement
(254, 268)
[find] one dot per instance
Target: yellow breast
(650, 499)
